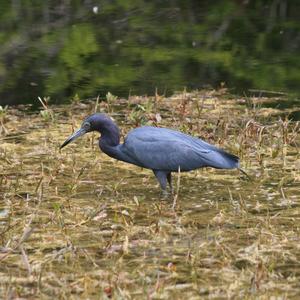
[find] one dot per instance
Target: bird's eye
(86, 126)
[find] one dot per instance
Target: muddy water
(100, 228)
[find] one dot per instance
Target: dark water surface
(87, 48)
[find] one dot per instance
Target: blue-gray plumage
(159, 149)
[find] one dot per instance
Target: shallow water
(101, 229)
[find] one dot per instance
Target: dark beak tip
(65, 143)
(73, 137)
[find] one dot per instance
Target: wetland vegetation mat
(78, 224)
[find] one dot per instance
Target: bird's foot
(164, 195)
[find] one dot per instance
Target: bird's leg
(169, 177)
(161, 176)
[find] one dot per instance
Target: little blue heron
(160, 149)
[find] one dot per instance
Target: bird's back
(165, 149)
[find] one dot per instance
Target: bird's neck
(110, 138)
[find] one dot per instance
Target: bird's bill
(73, 137)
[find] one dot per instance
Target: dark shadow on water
(68, 51)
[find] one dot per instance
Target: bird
(161, 150)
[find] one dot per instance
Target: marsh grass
(78, 224)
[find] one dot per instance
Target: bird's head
(93, 122)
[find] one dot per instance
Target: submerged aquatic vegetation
(80, 224)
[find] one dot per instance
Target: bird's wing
(165, 149)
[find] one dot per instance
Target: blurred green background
(67, 49)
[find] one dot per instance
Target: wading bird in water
(160, 149)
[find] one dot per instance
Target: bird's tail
(227, 160)
(231, 161)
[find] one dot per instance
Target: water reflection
(89, 48)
